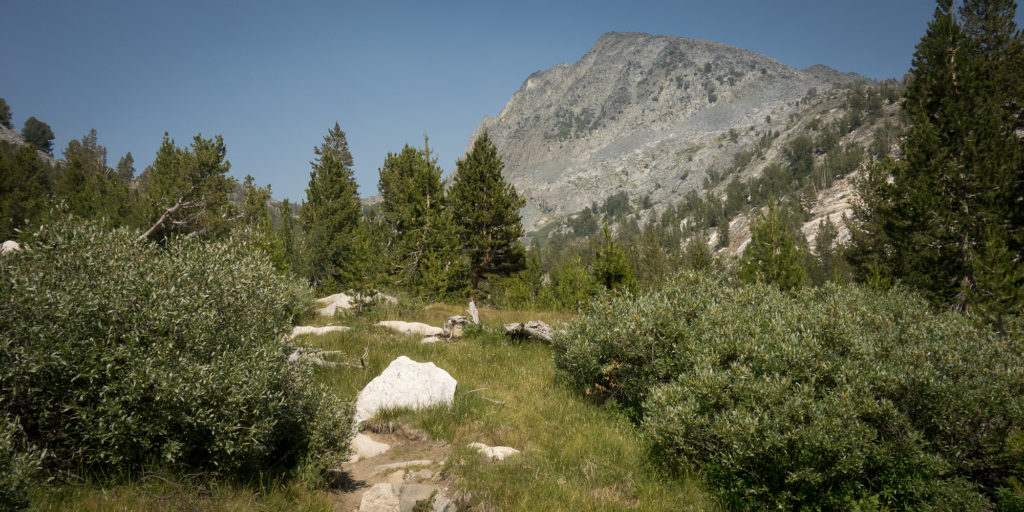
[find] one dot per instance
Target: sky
(273, 77)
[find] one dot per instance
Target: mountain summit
(640, 113)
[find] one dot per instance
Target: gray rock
(405, 383)
(411, 494)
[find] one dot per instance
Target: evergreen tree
(420, 230)
(773, 255)
(330, 216)
(126, 168)
(5, 115)
(611, 266)
(697, 255)
(23, 187)
(286, 232)
(38, 134)
(950, 207)
(486, 212)
(88, 187)
(186, 189)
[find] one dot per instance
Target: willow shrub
(117, 354)
(837, 398)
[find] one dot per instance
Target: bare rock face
(648, 115)
(405, 383)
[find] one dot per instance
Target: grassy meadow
(576, 454)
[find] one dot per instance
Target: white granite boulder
(331, 304)
(410, 328)
(494, 453)
(9, 247)
(300, 330)
(405, 383)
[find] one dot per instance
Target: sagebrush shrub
(118, 353)
(838, 398)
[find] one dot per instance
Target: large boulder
(405, 383)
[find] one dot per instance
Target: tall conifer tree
(486, 212)
(949, 213)
(330, 215)
(419, 233)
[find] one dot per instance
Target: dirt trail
(407, 444)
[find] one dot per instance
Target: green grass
(576, 455)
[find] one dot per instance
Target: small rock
(494, 453)
(384, 468)
(301, 330)
(364, 447)
(380, 498)
(9, 247)
(420, 476)
(405, 383)
(409, 328)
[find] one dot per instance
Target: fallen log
(532, 329)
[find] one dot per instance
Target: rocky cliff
(650, 115)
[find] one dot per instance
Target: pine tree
(5, 115)
(486, 214)
(611, 266)
(773, 255)
(23, 188)
(186, 189)
(88, 187)
(286, 232)
(126, 168)
(330, 216)
(926, 219)
(420, 230)
(39, 134)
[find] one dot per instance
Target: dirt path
(407, 445)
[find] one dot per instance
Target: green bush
(118, 354)
(838, 398)
(18, 464)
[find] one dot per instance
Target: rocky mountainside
(654, 116)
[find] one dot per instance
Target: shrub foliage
(838, 398)
(118, 354)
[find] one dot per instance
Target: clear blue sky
(272, 77)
